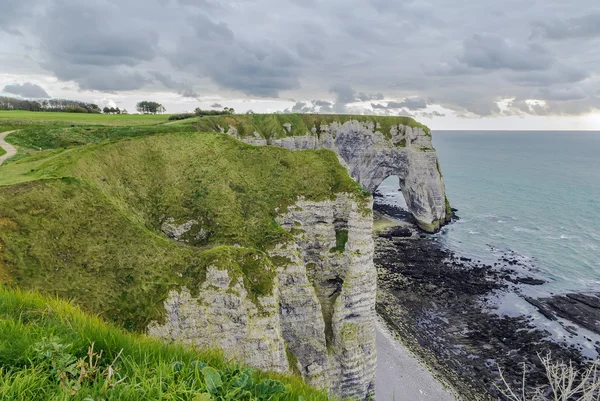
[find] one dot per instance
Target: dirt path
(10, 149)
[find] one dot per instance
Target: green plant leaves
(268, 388)
(212, 378)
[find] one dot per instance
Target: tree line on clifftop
(58, 105)
(75, 106)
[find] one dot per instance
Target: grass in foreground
(51, 350)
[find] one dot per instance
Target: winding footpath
(10, 149)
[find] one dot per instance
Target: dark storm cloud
(95, 44)
(322, 103)
(560, 74)
(581, 27)
(409, 103)
(11, 15)
(341, 51)
(26, 90)
(178, 87)
(344, 94)
(364, 97)
(492, 52)
(564, 94)
(257, 68)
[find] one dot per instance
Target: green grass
(44, 355)
(55, 136)
(341, 238)
(83, 118)
(85, 223)
(2, 151)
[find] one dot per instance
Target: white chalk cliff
(319, 321)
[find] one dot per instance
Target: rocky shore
(444, 307)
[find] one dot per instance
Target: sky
(459, 64)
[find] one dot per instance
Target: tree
(147, 107)
(106, 110)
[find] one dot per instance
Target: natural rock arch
(370, 156)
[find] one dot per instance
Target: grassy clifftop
(86, 223)
(51, 350)
(274, 125)
(36, 134)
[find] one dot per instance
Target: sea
(533, 193)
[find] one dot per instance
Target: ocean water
(535, 193)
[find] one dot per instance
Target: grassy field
(82, 118)
(51, 351)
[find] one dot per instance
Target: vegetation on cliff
(51, 350)
(87, 223)
(273, 126)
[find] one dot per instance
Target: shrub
(565, 383)
(182, 116)
(75, 109)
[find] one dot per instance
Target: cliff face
(372, 153)
(319, 321)
(274, 260)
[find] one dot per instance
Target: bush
(181, 116)
(75, 109)
(565, 383)
(226, 110)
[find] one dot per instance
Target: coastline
(457, 316)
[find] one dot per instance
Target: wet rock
(582, 309)
(397, 232)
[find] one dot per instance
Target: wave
(524, 230)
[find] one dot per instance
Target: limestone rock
(176, 231)
(370, 156)
(223, 316)
(319, 320)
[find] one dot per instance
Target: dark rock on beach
(582, 309)
(437, 303)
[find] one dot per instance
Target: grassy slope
(95, 237)
(34, 331)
